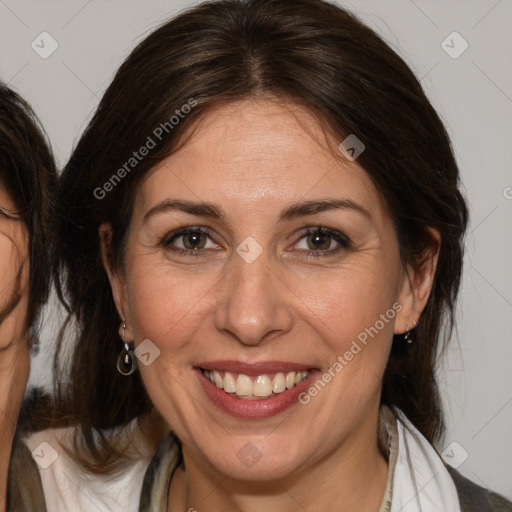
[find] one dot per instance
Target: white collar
(421, 482)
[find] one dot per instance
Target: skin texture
(253, 159)
(14, 352)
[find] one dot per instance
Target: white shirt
(67, 487)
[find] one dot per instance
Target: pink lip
(253, 369)
(254, 409)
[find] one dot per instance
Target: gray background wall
(473, 94)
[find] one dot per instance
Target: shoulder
(24, 491)
(474, 498)
(67, 486)
(419, 463)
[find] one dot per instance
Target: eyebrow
(294, 211)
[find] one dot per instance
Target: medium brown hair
(320, 57)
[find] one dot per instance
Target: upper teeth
(251, 387)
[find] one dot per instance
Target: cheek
(14, 271)
(352, 313)
(8, 267)
(167, 305)
(349, 299)
(14, 251)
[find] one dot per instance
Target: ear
(117, 280)
(416, 285)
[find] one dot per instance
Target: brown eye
(190, 241)
(319, 241)
(194, 240)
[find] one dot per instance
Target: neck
(14, 369)
(351, 477)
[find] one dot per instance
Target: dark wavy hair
(320, 57)
(27, 171)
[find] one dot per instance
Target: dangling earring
(126, 364)
(407, 336)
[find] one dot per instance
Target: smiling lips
(254, 381)
(256, 390)
(257, 387)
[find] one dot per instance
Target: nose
(254, 304)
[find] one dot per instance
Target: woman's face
(250, 299)
(14, 352)
(13, 274)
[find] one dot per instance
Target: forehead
(258, 150)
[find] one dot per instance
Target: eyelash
(343, 241)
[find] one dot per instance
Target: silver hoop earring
(126, 364)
